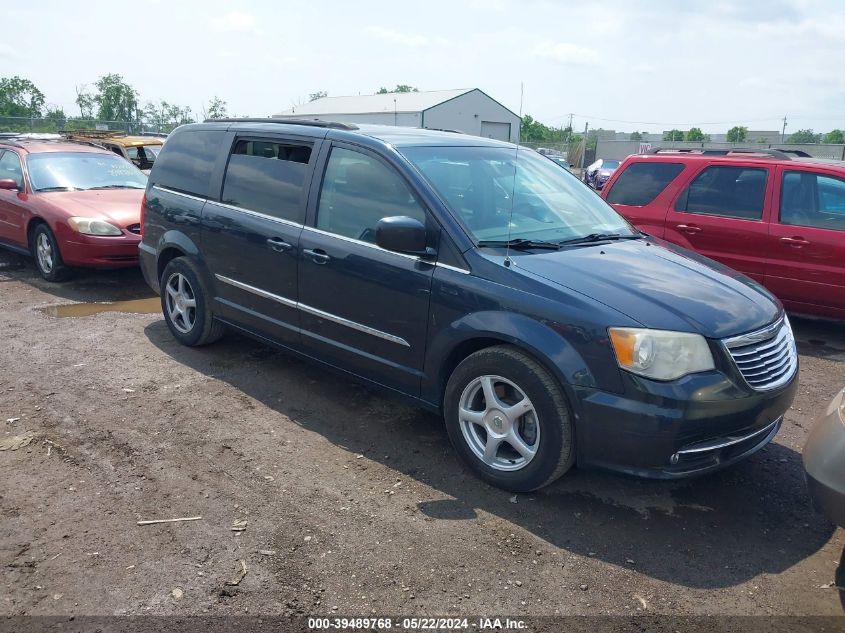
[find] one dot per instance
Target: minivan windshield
(66, 171)
(500, 197)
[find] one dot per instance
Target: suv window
(641, 183)
(358, 191)
(728, 191)
(268, 177)
(187, 160)
(10, 167)
(812, 200)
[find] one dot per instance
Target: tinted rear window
(268, 177)
(187, 160)
(641, 183)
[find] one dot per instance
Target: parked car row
(475, 280)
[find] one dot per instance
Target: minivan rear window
(641, 183)
(268, 177)
(187, 160)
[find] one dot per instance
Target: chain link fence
(620, 149)
(38, 125)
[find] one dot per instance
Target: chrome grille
(766, 358)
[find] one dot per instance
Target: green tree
(116, 100)
(803, 136)
(635, 136)
(85, 102)
(695, 134)
(55, 112)
(737, 134)
(317, 95)
(398, 88)
(834, 136)
(20, 97)
(673, 135)
(216, 109)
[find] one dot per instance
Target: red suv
(69, 204)
(775, 216)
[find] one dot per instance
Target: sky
(647, 65)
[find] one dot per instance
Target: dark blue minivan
(475, 278)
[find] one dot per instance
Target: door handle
(278, 244)
(689, 228)
(795, 242)
(318, 255)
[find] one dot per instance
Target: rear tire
(48, 259)
(186, 304)
(508, 419)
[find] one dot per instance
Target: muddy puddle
(134, 306)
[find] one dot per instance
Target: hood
(121, 206)
(661, 288)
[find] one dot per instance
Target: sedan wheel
(44, 252)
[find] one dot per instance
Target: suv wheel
(509, 420)
(48, 259)
(185, 304)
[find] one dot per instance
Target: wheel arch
(537, 340)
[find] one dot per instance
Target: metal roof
(368, 104)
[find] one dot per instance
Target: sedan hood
(661, 288)
(121, 206)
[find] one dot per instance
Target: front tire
(48, 259)
(509, 420)
(185, 303)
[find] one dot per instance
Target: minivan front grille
(766, 358)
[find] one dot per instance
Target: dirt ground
(352, 503)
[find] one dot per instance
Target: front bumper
(698, 424)
(100, 252)
(824, 462)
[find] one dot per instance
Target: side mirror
(8, 184)
(401, 234)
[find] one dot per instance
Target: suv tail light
(143, 209)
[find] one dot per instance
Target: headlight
(90, 226)
(660, 354)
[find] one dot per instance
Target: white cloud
(406, 39)
(7, 52)
(567, 53)
(234, 22)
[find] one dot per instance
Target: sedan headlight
(91, 226)
(659, 354)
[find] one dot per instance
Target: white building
(470, 111)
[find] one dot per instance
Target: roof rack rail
(773, 153)
(312, 122)
(796, 152)
(92, 133)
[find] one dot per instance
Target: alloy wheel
(44, 253)
(499, 423)
(181, 303)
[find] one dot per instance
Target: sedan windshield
(66, 171)
(501, 198)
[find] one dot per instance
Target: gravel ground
(351, 502)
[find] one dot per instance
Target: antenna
(508, 261)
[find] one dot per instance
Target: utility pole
(584, 153)
(783, 132)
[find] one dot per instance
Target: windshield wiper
(520, 242)
(56, 189)
(600, 237)
(113, 187)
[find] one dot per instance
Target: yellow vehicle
(139, 150)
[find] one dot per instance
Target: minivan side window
(358, 191)
(267, 176)
(727, 191)
(812, 200)
(187, 160)
(641, 183)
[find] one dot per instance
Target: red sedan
(69, 204)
